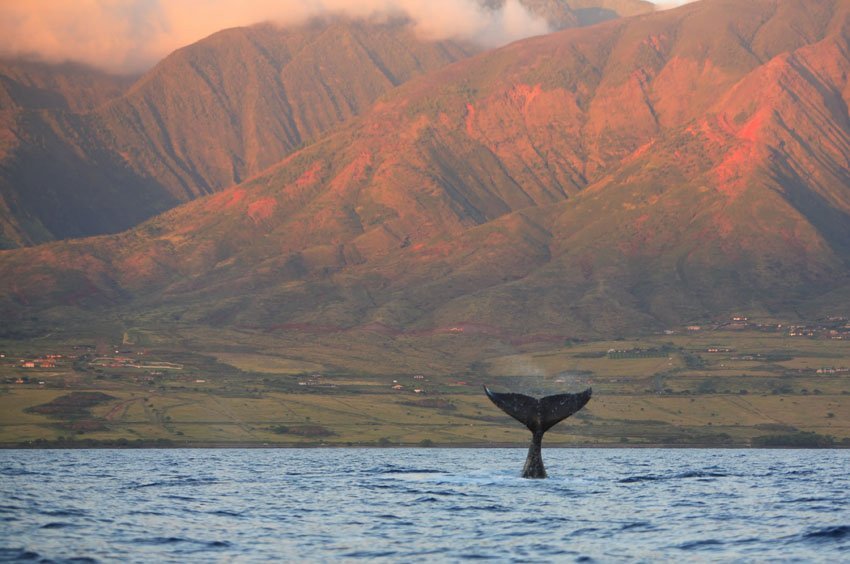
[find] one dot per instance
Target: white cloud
(668, 4)
(131, 35)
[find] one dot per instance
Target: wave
(798, 473)
(402, 470)
(808, 500)
(679, 476)
(839, 532)
(370, 554)
(56, 525)
(225, 513)
(180, 482)
(482, 508)
(14, 472)
(640, 525)
(710, 544)
(64, 513)
(181, 540)
(180, 497)
(19, 555)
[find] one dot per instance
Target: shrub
(797, 440)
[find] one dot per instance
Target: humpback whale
(539, 415)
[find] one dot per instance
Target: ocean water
(406, 505)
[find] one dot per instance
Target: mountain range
(259, 92)
(647, 171)
(87, 153)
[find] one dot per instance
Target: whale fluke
(539, 415)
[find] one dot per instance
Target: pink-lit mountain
(640, 173)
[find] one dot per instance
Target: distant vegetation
(591, 354)
(308, 431)
(436, 403)
(662, 352)
(71, 406)
(795, 440)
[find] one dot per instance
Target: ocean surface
(250, 505)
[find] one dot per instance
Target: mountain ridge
(557, 185)
(141, 153)
(77, 168)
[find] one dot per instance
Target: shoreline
(245, 445)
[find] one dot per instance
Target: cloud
(670, 4)
(131, 35)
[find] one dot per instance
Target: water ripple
(421, 505)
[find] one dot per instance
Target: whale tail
(539, 415)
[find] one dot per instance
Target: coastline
(153, 445)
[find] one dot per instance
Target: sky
(129, 36)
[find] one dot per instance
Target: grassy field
(229, 387)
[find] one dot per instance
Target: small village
(83, 358)
(835, 327)
(416, 388)
(38, 368)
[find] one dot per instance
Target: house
(28, 364)
(316, 384)
(832, 370)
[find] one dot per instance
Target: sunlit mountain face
(645, 171)
(85, 152)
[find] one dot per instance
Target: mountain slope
(259, 92)
(68, 86)
(644, 172)
(30, 88)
